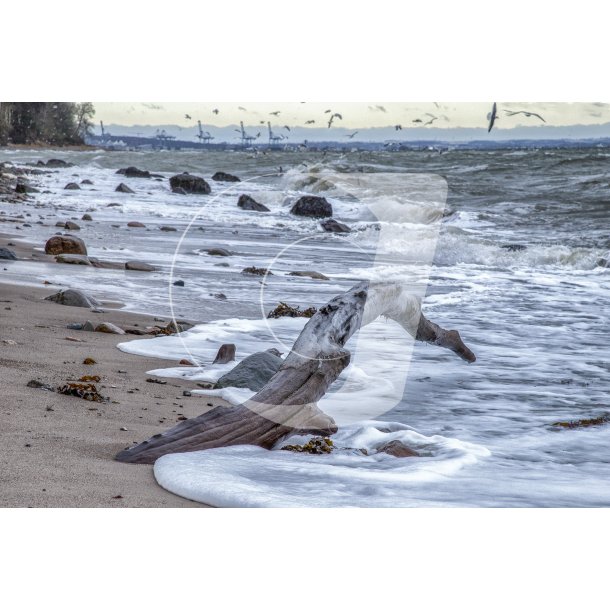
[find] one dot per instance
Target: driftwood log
(287, 403)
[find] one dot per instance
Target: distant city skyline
(354, 115)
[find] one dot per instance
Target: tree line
(49, 123)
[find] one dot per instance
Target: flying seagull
(527, 114)
(492, 117)
(327, 111)
(381, 108)
(286, 127)
(351, 135)
(188, 117)
(332, 117)
(276, 113)
(417, 121)
(241, 108)
(434, 118)
(215, 111)
(310, 122)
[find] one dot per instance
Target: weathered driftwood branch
(287, 403)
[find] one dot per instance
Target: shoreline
(59, 450)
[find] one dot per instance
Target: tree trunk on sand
(287, 403)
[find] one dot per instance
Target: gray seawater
(535, 314)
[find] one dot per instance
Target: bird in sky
(527, 114)
(327, 111)
(276, 113)
(398, 127)
(381, 108)
(351, 135)
(215, 111)
(262, 122)
(310, 122)
(417, 121)
(332, 117)
(434, 118)
(241, 108)
(188, 117)
(286, 127)
(491, 117)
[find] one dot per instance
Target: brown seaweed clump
(315, 446)
(86, 391)
(284, 310)
(583, 423)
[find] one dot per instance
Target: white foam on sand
(248, 476)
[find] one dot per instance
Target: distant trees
(53, 123)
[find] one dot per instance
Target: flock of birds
(492, 117)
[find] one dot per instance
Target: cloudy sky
(355, 115)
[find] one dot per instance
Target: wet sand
(57, 450)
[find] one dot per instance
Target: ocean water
(501, 245)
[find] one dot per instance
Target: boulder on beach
(72, 186)
(312, 207)
(331, 225)
(245, 202)
(73, 298)
(65, 244)
(314, 275)
(224, 177)
(71, 226)
(134, 224)
(73, 259)
(252, 372)
(87, 217)
(134, 172)
(190, 184)
(7, 255)
(111, 329)
(123, 188)
(139, 266)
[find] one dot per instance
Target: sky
(354, 115)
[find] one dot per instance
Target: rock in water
(72, 186)
(218, 252)
(56, 163)
(313, 207)
(7, 255)
(333, 226)
(73, 298)
(225, 354)
(134, 224)
(138, 266)
(134, 172)
(224, 177)
(71, 226)
(86, 181)
(107, 327)
(253, 372)
(73, 259)
(87, 217)
(314, 275)
(397, 449)
(65, 244)
(123, 188)
(190, 184)
(245, 202)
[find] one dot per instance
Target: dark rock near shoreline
(24, 188)
(111, 329)
(65, 244)
(71, 226)
(73, 259)
(256, 271)
(72, 186)
(514, 247)
(167, 229)
(86, 217)
(139, 266)
(190, 184)
(7, 255)
(397, 449)
(179, 283)
(123, 188)
(224, 177)
(178, 190)
(134, 172)
(312, 207)
(225, 354)
(73, 298)
(86, 181)
(217, 252)
(333, 226)
(253, 372)
(245, 202)
(55, 163)
(134, 224)
(314, 275)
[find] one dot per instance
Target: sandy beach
(57, 451)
